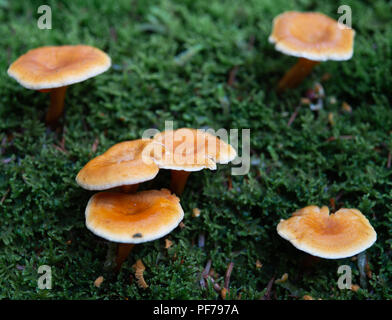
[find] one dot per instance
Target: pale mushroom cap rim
(119, 239)
(92, 72)
(280, 46)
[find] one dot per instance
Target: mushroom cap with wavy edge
(343, 234)
(133, 218)
(190, 150)
(312, 35)
(58, 66)
(122, 164)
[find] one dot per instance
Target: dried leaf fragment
(355, 287)
(330, 119)
(346, 107)
(98, 281)
(139, 270)
(223, 293)
(196, 212)
(283, 279)
(168, 243)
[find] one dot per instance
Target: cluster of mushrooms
(121, 215)
(128, 217)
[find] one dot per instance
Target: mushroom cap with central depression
(122, 164)
(58, 66)
(133, 218)
(313, 36)
(332, 236)
(190, 149)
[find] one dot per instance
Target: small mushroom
(129, 219)
(312, 37)
(186, 150)
(331, 236)
(122, 165)
(53, 68)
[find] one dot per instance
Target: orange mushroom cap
(133, 218)
(190, 150)
(332, 236)
(312, 35)
(122, 164)
(58, 66)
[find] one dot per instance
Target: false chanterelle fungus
(122, 165)
(53, 68)
(342, 234)
(312, 37)
(185, 150)
(133, 218)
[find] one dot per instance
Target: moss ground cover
(201, 64)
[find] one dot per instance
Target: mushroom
(123, 165)
(53, 68)
(129, 219)
(331, 236)
(312, 37)
(186, 150)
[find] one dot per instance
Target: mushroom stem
(110, 256)
(296, 74)
(57, 96)
(123, 251)
(178, 181)
(309, 261)
(132, 188)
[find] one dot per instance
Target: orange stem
(309, 261)
(57, 96)
(132, 188)
(178, 181)
(296, 74)
(44, 90)
(123, 251)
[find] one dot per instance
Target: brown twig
(293, 116)
(225, 290)
(229, 183)
(216, 286)
(61, 146)
(113, 34)
(61, 149)
(201, 240)
(332, 202)
(228, 274)
(338, 196)
(5, 196)
(232, 75)
(205, 273)
(95, 145)
(389, 160)
(267, 295)
(340, 137)
(3, 144)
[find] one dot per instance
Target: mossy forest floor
(200, 64)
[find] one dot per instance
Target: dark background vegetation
(173, 60)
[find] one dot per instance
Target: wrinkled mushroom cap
(58, 66)
(332, 236)
(122, 164)
(133, 218)
(312, 35)
(190, 150)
